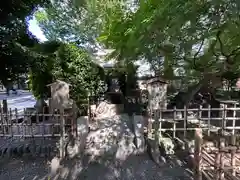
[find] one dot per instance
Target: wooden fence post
(74, 119)
(234, 118)
(160, 123)
(198, 154)
(223, 125)
(217, 166)
(5, 115)
(233, 155)
(185, 121)
(5, 106)
(2, 122)
(209, 120)
(174, 122)
(200, 116)
(221, 170)
(62, 134)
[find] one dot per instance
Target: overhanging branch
(197, 53)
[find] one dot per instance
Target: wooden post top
(198, 132)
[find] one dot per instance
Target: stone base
(125, 149)
(138, 125)
(154, 151)
(167, 145)
(140, 144)
(82, 132)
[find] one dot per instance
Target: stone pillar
(125, 144)
(80, 140)
(138, 126)
(82, 132)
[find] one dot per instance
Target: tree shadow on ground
(134, 167)
(24, 168)
(84, 167)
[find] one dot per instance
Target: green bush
(68, 63)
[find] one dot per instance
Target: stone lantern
(157, 90)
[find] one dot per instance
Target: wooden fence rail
(226, 119)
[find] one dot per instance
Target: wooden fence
(225, 120)
(219, 162)
(216, 140)
(29, 126)
(34, 125)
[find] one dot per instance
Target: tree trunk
(7, 85)
(192, 91)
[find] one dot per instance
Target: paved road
(20, 101)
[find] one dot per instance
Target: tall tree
(78, 21)
(201, 37)
(14, 37)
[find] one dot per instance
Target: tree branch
(234, 51)
(220, 42)
(195, 55)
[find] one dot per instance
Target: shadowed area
(134, 167)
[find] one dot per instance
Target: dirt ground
(134, 168)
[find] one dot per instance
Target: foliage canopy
(15, 38)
